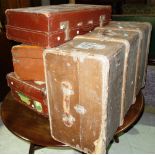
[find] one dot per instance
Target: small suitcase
(131, 41)
(84, 84)
(50, 26)
(144, 30)
(29, 93)
(28, 62)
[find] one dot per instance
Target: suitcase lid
(52, 9)
(26, 51)
(114, 33)
(80, 49)
(38, 18)
(33, 89)
(131, 25)
(139, 27)
(39, 85)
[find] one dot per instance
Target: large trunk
(83, 79)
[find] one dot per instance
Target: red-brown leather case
(50, 26)
(29, 93)
(28, 62)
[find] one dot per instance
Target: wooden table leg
(31, 150)
(34, 147)
(116, 139)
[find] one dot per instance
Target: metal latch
(65, 26)
(102, 20)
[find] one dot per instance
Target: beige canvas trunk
(144, 30)
(84, 84)
(131, 41)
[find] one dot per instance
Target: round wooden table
(32, 127)
(132, 116)
(27, 124)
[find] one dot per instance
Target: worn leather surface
(42, 25)
(82, 97)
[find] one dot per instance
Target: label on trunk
(90, 45)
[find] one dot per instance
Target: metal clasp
(102, 20)
(65, 26)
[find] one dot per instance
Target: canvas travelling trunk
(50, 26)
(28, 62)
(144, 30)
(30, 93)
(131, 41)
(84, 84)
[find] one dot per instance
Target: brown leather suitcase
(84, 85)
(28, 62)
(30, 93)
(50, 26)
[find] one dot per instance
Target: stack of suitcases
(77, 68)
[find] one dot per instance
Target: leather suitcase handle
(67, 90)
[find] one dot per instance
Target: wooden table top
(30, 126)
